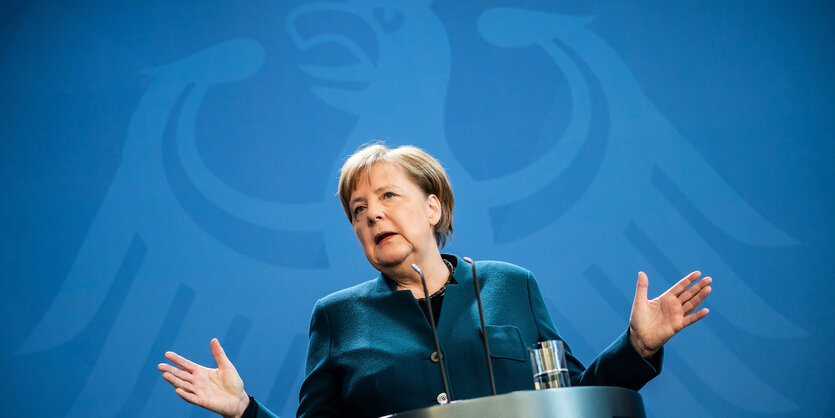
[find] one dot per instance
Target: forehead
(380, 175)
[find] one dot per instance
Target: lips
(382, 236)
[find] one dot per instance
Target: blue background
(169, 170)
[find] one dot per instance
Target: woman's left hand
(653, 322)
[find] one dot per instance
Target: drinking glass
(549, 366)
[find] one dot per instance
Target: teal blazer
(371, 346)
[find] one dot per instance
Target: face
(393, 218)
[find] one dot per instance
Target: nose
(374, 212)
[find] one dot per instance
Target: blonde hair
(424, 170)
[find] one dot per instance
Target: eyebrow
(377, 190)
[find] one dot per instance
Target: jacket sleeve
(321, 393)
(256, 410)
(618, 365)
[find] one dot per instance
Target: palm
(216, 389)
(220, 390)
(653, 322)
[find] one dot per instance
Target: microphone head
(468, 259)
(417, 269)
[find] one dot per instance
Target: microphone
(483, 330)
(435, 333)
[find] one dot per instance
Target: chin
(390, 260)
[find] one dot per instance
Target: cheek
(358, 232)
(365, 239)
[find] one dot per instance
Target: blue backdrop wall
(169, 170)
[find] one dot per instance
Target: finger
(697, 300)
(177, 382)
(183, 375)
(684, 283)
(641, 289)
(174, 381)
(188, 396)
(692, 319)
(181, 361)
(695, 289)
(219, 354)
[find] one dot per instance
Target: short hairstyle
(424, 170)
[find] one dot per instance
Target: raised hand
(219, 390)
(653, 322)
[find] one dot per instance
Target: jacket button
(442, 398)
(435, 357)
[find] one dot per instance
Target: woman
(367, 340)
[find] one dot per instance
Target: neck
(434, 270)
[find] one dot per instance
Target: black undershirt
(436, 303)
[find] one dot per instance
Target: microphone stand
(483, 329)
(435, 333)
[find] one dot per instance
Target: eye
(358, 210)
(388, 195)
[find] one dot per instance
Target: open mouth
(381, 237)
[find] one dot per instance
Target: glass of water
(549, 366)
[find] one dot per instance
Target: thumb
(219, 355)
(641, 288)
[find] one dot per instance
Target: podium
(582, 402)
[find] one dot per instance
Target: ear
(433, 209)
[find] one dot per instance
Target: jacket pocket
(505, 342)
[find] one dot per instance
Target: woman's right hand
(219, 390)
